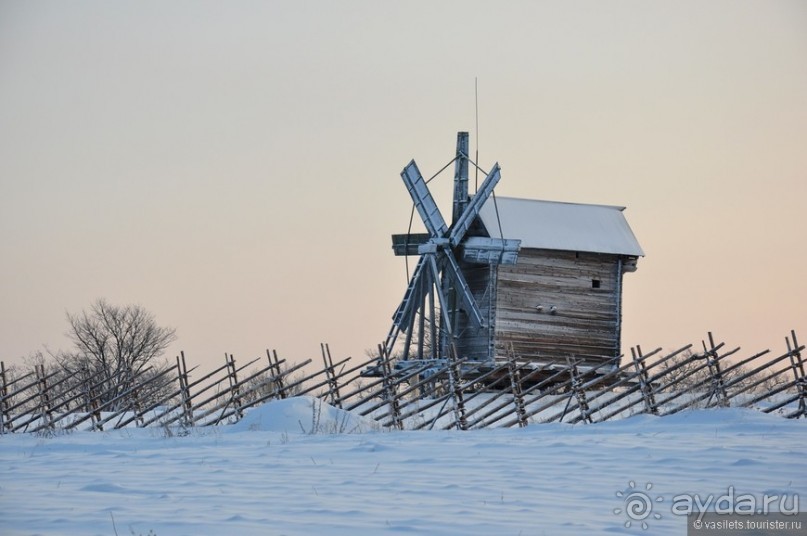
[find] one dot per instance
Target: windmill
(439, 305)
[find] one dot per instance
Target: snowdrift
(301, 415)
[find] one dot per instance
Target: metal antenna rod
(476, 133)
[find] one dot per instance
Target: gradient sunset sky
(234, 166)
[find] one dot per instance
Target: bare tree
(117, 346)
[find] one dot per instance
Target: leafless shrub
(116, 348)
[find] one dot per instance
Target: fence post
(330, 375)
(389, 388)
(579, 392)
(515, 387)
(280, 387)
(718, 387)
(797, 365)
(455, 384)
(184, 390)
(44, 397)
(91, 403)
(4, 416)
(644, 381)
(235, 390)
(137, 403)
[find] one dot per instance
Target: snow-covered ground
(268, 474)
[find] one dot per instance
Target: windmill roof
(561, 226)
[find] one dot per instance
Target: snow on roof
(561, 226)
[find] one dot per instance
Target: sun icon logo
(638, 505)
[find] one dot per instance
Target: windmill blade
(440, 296)
(406, 310)
(465, 221)
(424, 202)
(452, 270)
(460, 176)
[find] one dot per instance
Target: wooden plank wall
(477, 343)
(585, 320)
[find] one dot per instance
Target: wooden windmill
(540, 279)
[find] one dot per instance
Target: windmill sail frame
(439, 303)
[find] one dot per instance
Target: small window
(595, 283)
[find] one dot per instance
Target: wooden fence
(441, 394)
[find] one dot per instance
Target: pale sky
(234, 167)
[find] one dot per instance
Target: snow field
(268, 474)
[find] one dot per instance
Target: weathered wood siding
(585, 322)
(477, 343)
